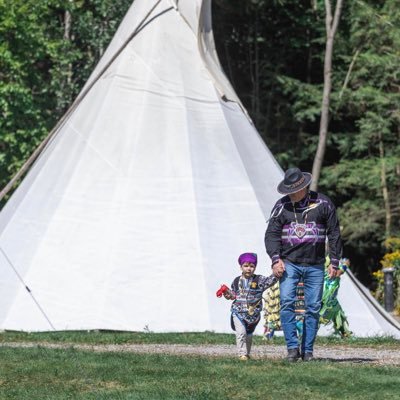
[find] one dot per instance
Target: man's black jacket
(297, 231)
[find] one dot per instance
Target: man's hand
(334, 272)
(278, 268)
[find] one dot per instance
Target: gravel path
(363, 355)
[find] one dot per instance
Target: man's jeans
(313, 278)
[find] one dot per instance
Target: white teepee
(137, 210)
(154, 182)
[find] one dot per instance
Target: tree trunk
(251, 70)
(67, 36)
(229, 64)
(67, 25)
(331, 28)
(257, 72)
(385, 191)
(347, 79)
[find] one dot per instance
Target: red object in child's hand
(222, 290)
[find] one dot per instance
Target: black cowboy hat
(294, 181)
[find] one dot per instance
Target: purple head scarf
(248, 257)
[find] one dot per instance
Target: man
(295, 239)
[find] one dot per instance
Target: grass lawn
(43, 373)
(112, 337)
(40, 373)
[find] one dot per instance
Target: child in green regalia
(331, 310)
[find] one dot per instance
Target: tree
(361, 153)
(27, 47)
(331, 28)
(367, 178)
(47, 52)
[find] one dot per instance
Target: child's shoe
(268, 333)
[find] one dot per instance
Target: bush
(390, 260)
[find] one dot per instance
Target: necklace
(300, 230)
(244, 285)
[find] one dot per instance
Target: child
(246, 293)
(331, 310)
(272, 309)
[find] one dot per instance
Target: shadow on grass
(357, 360)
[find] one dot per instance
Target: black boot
(307, 357)
(293, 355)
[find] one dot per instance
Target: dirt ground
(360, 355)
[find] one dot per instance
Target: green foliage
(277, 49)
(371, 108)
(364, 127)
(390, 260)
(43, 65)
(24, 58)
(306, 98)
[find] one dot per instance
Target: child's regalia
(272, 323)
(331, 310)
(247, 305)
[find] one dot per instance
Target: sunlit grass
(205, 338)
(41, 373)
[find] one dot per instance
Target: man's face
(295, 197)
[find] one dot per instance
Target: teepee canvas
(139, 206)
(151, 186)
